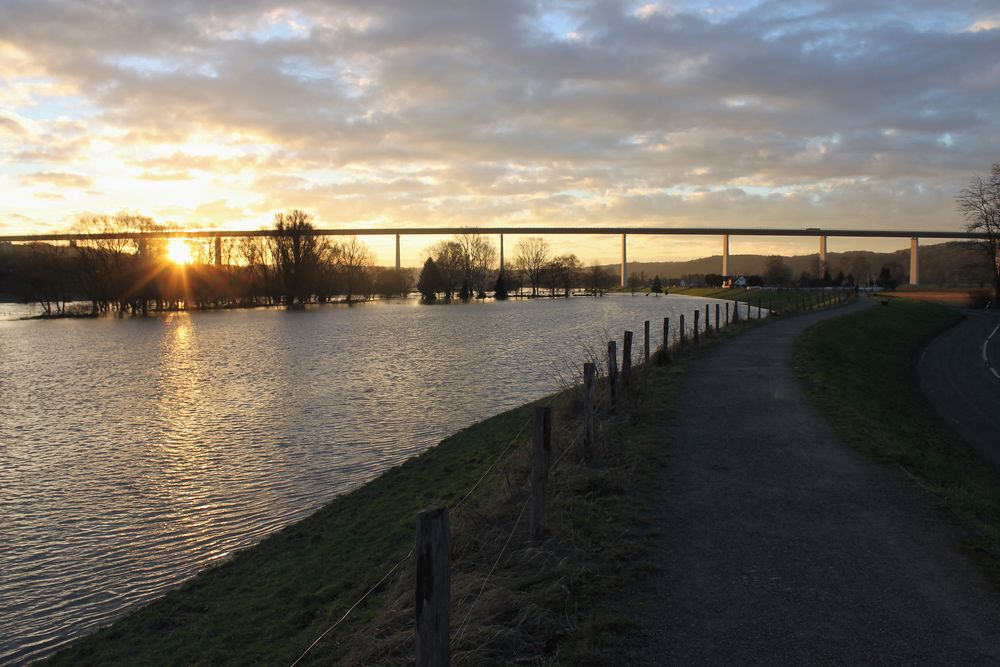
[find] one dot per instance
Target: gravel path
(781, 545)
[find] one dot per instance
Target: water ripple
(135, 452)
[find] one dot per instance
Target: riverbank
(269, 602)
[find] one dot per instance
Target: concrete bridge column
(624, 263)
(725, 254)
(501, 254)
(398, 265)
(915, 261)
(822, 255)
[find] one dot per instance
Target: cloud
(584, 112)
(59, 178)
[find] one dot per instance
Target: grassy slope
(781, 300)
(859, 371)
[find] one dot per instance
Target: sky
(217, 114)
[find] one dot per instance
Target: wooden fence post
(627, 360)
(541, 454)
(717, 321)
(613, 370)
(681, 332)
(433, 556)
(708, 322)
(758, 307)
(727, 313)
(666, 340)
(748, 308)
(588, 405)
(694, 336)
(645, 342)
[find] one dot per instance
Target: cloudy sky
(487, 112)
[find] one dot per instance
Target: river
(135, 452)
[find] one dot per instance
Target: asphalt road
(782, 545)
(957, 370)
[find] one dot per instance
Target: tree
(979, 203)
(599, 279)
(296, 252)
(500, 288)
(449, 259)
(657, 286)
(776, 272)
(885, 278)
(531, 257)
(430, 282)
(634, 283)
(354, 262)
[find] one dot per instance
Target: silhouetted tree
(297, 253)
(776, 272)
(980, 204)
(500, 288)
(354, 263)
(886, 279)
(430, 281)
(532, 257)
(657, 286)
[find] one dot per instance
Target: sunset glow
(179, 251)
(833, 115)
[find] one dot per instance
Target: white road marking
(986, 356)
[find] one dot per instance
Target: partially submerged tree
(531, 257)
(297, 253)
(980, 204)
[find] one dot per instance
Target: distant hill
(952, 264)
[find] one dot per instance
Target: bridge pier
(725, 255)
(915, 261)
(501, 254)
(624, 263)
(398, 265)
(822, 256)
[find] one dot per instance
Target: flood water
(135, 452)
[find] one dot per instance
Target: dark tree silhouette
(430, 281)
(980, 204)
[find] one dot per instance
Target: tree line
(291, 268)
(466, 267)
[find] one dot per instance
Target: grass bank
(859, 371)
(780, 301)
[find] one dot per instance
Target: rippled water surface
(135, 452)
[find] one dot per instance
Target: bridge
(724, 232)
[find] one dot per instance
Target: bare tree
(354, 262)
(478, 257)
(449, 259)
(532, 257)
(296, 252)
(980, 204)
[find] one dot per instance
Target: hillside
(952, 264)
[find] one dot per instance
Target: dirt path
(781, 545)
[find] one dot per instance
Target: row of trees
(291, 267)
(463, 268)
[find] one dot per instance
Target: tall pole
(822, 255)
(915, 261)
(397, 254)
(624, 263)
(725, 255)
(218, 251)
(501, 254)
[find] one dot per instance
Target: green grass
(859, 371)
(781, 301)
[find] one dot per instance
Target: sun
(178, 251)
